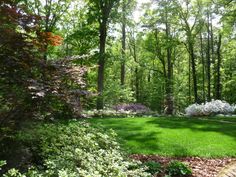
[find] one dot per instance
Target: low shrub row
(109, 113)
(121, 110)
(75, 149)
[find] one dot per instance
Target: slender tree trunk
(101, 63)
(169, 81)
(122, 78)
(208, 60)
(203, 69)
(136, 75)
(194, 75)
(213, 59)
(189, 81)
(218, 78)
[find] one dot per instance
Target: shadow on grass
(150, 135)
(204, 125)
(135, 135)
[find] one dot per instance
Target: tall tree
(191, 31)
(218, 67)
(127, 7)
(122, 75)
(102, 10)
(133, 51)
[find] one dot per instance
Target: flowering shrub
(76, 149)
(133, 107)
(209, 108)
(117, 112)
(108, 113)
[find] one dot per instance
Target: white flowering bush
(234, 107)
(209, 108)
(76, 149)
(109, 113)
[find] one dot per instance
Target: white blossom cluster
(209, 108)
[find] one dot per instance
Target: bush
(133, 107)
(109, 113)
(209, 108)
(153, 167)
(76, 149)
(176, 168)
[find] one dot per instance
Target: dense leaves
(31, 86)
(76, 149)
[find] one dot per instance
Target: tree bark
(169, 80)
(189, 81)
(213, 59)
(122, 76)
(101, 62)
(218, 77)
(208, 60)
(194, 75)
(203, 69)
(136, 74)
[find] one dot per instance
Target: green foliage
(229, 86)
(114, 93)
(76, 149)
(153, 167)
(2, 163)
(177, 168)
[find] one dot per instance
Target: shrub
(109, 113)
(209, 108)
(133, 107)
(177, 168)
(153, 167)
(76, 149)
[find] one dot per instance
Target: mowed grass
(213, 137)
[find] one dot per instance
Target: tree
(191, 32)
(127, 7)
(26, 78)
(102, 10)
(52, 12)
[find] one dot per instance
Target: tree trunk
(208, 61)
(218, 79)
(101, 63)
(213, 60)
(194, 75)
(169, 82)
(189, 81)
(203, 69)
(122, 77)
(136, 75)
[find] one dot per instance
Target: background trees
(178, 52)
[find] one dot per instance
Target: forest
(82, 82)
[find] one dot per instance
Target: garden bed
(201, 167)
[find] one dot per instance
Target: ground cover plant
(169, 136)
(74, 149)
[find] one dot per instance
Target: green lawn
(213, 137)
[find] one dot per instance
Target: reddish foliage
(29, 85)
(52, 39)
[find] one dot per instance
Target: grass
(203, 137)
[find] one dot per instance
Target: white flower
(212, 107)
